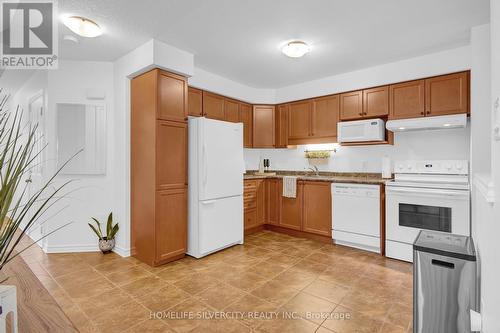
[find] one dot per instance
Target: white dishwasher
(356, 215)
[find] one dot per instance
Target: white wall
(439, 144)
(445, 62)
(486, 215)
(93, 195)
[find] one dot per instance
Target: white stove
(431, 195)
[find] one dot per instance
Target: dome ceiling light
(82, 26)
(295, 49)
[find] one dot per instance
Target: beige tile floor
(273, 283)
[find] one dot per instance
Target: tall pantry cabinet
(159, 166)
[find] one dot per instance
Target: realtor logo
(29, 35)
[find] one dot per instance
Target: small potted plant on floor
(106, 243)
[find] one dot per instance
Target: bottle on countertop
(261, 165)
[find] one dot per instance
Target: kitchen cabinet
(324, 118)
(263, 126)
(246, 117)
(213, 106)
(376, 102)
(291, 210)
(261, 201)
(172, 96)
(273, 196)
(171, 157)
(317, 211)
(299, 119)
(254, 203)
(447, 94)
(170, 224)
(407, 100)
(231, 110)
(351, 105)
(282, 126)
(158, 196)
(195, 102)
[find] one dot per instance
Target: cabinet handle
(422, 113)
(361, 113)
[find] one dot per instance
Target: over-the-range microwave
(361, 130)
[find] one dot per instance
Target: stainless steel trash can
(444, 282)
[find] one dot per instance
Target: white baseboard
(121, 251)
(72, 248)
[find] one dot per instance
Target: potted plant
(106, 243)
(21, 205)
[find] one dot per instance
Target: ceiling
(241, 39)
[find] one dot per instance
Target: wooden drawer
(250, 218)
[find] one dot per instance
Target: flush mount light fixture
(295, 49)
(402, 128)
(446, 125)
(82, 26)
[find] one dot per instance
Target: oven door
(410, 209)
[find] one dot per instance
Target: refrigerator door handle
(208, 202)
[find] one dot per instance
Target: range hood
(427, 123)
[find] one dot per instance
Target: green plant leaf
(109, 224)
(97, 232)
(114, 231)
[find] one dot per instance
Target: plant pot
(106, 245)
(8, 304)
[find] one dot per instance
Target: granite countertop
(332, 177)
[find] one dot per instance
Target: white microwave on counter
(361, 130)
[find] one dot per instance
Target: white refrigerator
(216, 168)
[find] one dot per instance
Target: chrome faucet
(315, 170)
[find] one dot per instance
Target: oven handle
(424, 191)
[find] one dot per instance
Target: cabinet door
(273, 187)
(170, 224)
(213, 106)
(325, 116)
(282, 126)
(263, 126)
(171, 154)
(291, 210)
(249, 194)
(407, 100)
(250, 219)
(172, 97)
(246, 118)
(318, 208)
(376, 102)
(231, 110)
(447, 94)
(261, 202)
(351, 105)
(299, 119)
(195, 102)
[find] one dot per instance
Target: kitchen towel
(289, 186)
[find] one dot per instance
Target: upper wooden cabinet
(246, 117)
(195, 102)
(172, 96)
(291, 209)
(351, 105)
(317, 214)
(407, 100)
(231, 110)
(447, 94)
(213, 106)
(436, 96)
(324, 117)
(263, 126)
(281, 119)
(376, 102)
(299, 121)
